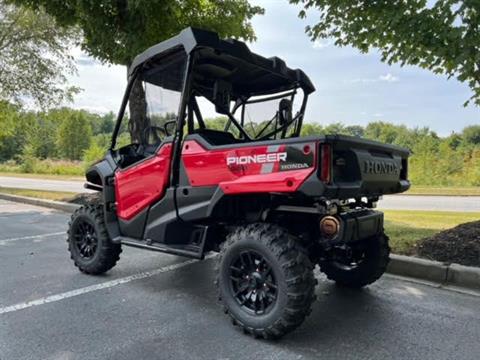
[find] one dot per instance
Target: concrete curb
(57, 205)
(418, 268)
(433, 271)
(464, 276)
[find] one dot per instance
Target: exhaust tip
(329, 226)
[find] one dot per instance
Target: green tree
(471, 175)
(34, 57)
(443, 37)
(383, 132)
(454, 140)
(116, 31)
(216, 123)
(41, 136)
(13, 130)
(355, 130)
(101, 124)
(311, 129)
(107, 122)
(471, 134)
(74, 134)
(339, 128)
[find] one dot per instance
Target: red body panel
(143, 183)
(209, 167)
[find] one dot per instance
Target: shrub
(28, 160)
(94, 153)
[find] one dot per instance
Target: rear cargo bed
(365, 168)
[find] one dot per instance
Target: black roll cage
(190, 40)
(298, 118)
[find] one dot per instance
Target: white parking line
(104, 285)
(6, 241)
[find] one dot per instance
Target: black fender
(100, 176)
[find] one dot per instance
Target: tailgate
(361, 167)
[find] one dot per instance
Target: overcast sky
(352, 88)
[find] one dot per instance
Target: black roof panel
(191, 39)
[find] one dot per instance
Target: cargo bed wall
(366, 168)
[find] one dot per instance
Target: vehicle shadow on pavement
(335, 312)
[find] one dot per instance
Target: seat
(217, 137)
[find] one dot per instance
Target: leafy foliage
(443, 37)
(74, 134)
(472, 134)
(34, 57)
(115, 31)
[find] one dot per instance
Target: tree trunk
(138, 121)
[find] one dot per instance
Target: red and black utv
(245, 184)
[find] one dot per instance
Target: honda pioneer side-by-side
(216, 163)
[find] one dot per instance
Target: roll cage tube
(178, 137)
(283, 129)
(298, 119)
(123, 106)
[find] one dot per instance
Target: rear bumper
(358, 225)
(313, 187)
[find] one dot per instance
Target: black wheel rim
(85, 238)
(253, 283)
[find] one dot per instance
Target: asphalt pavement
(433, 203)
(156, 306)
(390, 202)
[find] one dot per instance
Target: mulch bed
(460, 245)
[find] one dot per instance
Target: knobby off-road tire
(285, 275)
(376, 256)
(90, 247)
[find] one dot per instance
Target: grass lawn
(405, 227)
(449, 190)
(49, 195)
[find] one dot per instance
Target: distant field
(406, 227)
(49, 195)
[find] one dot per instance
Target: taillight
(325, 163)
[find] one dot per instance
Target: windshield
(270, 116)
(258, 117)
(153, 102)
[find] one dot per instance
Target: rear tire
(374, 260)
(265, 280)
(89, 244)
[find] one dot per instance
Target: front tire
(89, 244)
(265, 280)
(365, 263)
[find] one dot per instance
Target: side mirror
(221, 96)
